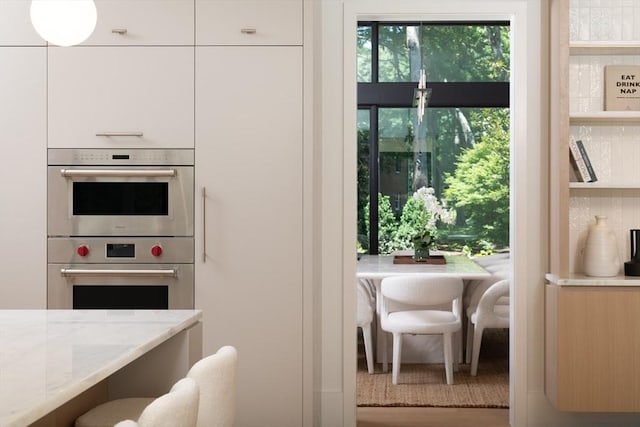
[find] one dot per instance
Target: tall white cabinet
(249, 222)
(23, 142)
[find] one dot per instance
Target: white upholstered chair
(416, 305)
(178, 408)
(365, 311)
(490, 312)
(216, 378)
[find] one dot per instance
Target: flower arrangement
(433, 211)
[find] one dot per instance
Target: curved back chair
(178, 408)
(414, 305)
(216, 379)
(490, 312)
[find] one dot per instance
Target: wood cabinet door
(15, 25)
(23, 177)
(249, 222)
(146, 22)
(250, 23)
(121, 97)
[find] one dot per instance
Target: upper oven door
(120, 200)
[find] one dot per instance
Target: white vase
(601, 250)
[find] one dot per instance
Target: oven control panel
(121, 250)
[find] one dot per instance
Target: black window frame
(374, 95)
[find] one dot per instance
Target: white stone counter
(48, 357)
(381, 266)
(575, 279)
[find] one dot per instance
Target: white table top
(47, 357)
(381, 266)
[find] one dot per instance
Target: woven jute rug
(425, 384)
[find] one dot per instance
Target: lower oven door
(120, 286)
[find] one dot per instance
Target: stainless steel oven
(120, 273)
(120, 192)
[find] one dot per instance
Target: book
(587, 162)
(622, 87)
(579, 163)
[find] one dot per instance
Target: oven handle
(120, 273)
(69, 173)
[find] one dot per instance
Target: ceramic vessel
(601, 250)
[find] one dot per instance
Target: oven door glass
(117, 201)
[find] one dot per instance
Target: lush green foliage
(480, 183)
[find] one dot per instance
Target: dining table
(372, 269)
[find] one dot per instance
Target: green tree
(480, 183)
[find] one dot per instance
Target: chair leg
(477, 341)
(469, 341)
(448, 356)
(397, 356)
(368, 347)
(385, 357)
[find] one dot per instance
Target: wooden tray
(408, 259)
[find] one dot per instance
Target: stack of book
(580, 161)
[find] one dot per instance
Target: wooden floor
(431, 417)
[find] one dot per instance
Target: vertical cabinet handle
(204, 224)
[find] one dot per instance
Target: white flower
(437, 211)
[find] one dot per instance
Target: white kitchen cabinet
(15, 24)
(255, 22)
(143, 22)
(121, 97)
(23, 177)
(249, 149)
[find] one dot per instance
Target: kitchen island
(56, 364)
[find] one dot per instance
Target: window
(460, 146)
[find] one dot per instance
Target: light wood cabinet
(23, 177)
(249, 222)
(254, 22)
(143, 22)
(592, 344)
(145, 93)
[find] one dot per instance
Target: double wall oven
(120, 228)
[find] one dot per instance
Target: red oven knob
(156, 250)
(83, 250)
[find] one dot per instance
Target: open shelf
(605, 118)
(605, 48)
(604, 186)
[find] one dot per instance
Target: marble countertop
(381, 266)
(575, 279)
(48, 357)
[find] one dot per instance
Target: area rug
(425, 384)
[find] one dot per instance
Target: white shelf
(605, 117)
(605, 48)
(604, 186)
(575, 279)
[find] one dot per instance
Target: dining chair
(178, 408)
(216, 378)
(364, 319)
(422, 305)
(490, 312)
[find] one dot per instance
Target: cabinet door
(143, 93)
(23, 183)
(143, 22)
(249, 160)
(255, 22)
(15, 24)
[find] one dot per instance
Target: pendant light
(64, 22)
(421, 94)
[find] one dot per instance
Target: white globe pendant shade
(64, 22)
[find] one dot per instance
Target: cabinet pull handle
(204, 224)
(120, 31)
(137, 134)
(248, 30)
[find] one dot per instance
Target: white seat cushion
(110, 413)
(421, 322)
